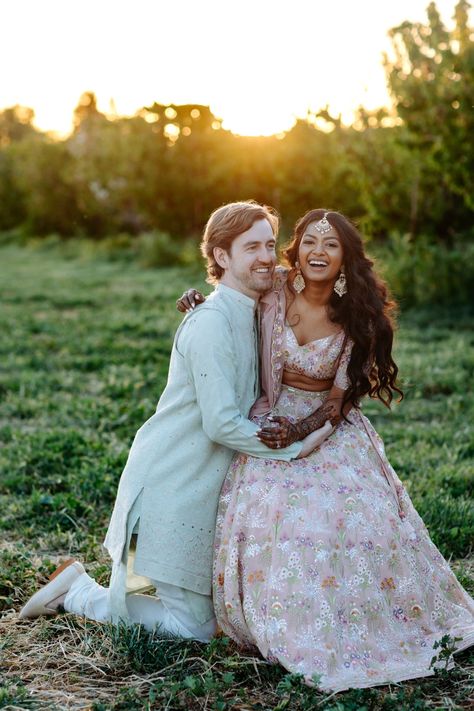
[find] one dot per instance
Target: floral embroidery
(314, 566)
(277, 347)
(387, 584)
(321, 359)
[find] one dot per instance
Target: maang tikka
(340, 285)
(323, 225)
(298, 282)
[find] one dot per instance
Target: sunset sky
(258, 64)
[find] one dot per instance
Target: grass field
(84, 355)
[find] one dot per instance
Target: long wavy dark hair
(366, 312)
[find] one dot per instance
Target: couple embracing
(258, 496)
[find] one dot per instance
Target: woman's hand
(277, 432)
(189, 300)
(315, 439)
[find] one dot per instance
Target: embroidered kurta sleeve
(205, 342)
(341, 379)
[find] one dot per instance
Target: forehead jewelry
(323, 225)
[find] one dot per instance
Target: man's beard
(260, 285)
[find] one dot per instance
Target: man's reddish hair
(228, 222)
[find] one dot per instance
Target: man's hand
(278, 432)
(189, 300)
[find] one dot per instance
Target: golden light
(150, 117)
(275, 62)
(171, 132)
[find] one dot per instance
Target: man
(162, 527)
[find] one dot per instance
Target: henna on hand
(278, 432)
(329, 411)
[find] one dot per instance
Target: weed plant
(84, 357)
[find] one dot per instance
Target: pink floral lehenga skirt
(324, 569)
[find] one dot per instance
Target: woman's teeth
(317, 263)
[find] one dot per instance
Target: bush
(159, 249)
(421, 272)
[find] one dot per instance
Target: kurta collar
(237, 296)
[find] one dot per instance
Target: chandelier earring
(340, 286)
(298, 282)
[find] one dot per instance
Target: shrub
(159, 249)
(421, 272)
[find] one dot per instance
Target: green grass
(84, 357)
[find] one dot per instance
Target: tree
(16, 123)
(431, 79)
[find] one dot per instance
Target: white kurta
(180, 456)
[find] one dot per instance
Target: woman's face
(320, 255)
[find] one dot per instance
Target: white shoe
(49, 598)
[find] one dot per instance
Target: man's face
(250, 263)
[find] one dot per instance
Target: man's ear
(221, 257)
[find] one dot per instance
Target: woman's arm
(278, 431)
(190, 299)
(193, 297)
(315, 439)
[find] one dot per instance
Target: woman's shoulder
(280, 277)
(276, 293)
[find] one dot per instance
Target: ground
(84, 354)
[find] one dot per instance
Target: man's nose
(266, 256)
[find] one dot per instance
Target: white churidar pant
(170, 609)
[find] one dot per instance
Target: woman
(322, 563)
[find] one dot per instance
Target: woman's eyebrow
(307, 234)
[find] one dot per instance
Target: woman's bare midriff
(301, 382)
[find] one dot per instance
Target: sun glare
(256, 122)
(279, 61)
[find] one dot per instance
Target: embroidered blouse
(320, 359)
(278, 351)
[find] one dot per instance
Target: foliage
(421, 272)
(158, 249)
(431, 80)
(405, 170)
(84, 351)
(447, 646)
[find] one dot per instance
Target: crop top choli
(320, 359)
